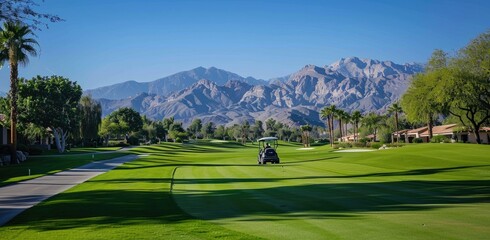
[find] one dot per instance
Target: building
(452, 131)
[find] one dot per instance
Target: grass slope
(426, 191)
(43, 165)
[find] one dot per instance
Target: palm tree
(372, 121)
(325, 114)
(306, 129)
(395, 108)
(15, 46)
(356, 117)
(328, 113)
(339, 114)
(346, 118)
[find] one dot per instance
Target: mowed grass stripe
(238, 203)
(414, 192)
(360, 188)
(130, 202)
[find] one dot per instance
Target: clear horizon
(107, 42)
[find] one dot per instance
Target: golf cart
(267, 150)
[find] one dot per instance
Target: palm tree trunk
(396, 127)
(13, 111)
(429, 126)
(346, 129)
(329, 131)
(355, 130)
(340, 128)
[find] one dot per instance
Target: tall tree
(15, 47)
(372, 122)
(195, 127)
(23, 11)
(51, 102)
(339, 113)
(245, 129)
(167, 122)
(91, 118)
(465, 91)
(394, 109)
(346, 118)
(208, 129)
(306, 129)
(258, 129)
(177, 132)
(220, 132)
(160, 130)
(128, 116)
(328, 113)
(356, 117)
(285, 132)
(420, 102)
(270, 127)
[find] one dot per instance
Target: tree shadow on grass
(101, 207)
(320, 201)
(215, 181)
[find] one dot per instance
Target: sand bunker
(355, 150)
(305, 148)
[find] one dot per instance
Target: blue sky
(104, 42)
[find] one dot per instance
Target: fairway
(406, 193)
(216, 190)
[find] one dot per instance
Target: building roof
(485, 129)
(440, 130)
(437, 130)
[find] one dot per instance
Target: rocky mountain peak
(224, 97)
(354, 67)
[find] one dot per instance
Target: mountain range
(222, 97)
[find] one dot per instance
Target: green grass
(423, 191)
(81, 150)
(44, 165)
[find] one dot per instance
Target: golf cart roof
(267, 139)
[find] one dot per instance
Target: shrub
(133, 140)
(359, 144)
(322, 141)
(376, 145)
(418, 140)
(35, 150)
(345, 145)
(439, 139)
(113, 143)
(395, 145)
(4, 149)
(363, 140)
(22, 147)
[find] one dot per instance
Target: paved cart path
(18, 197)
